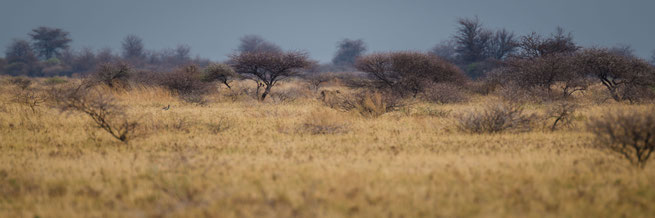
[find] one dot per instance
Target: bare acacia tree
(99, 106)
(408, 72)
(624, 77)
(347, 51)
(49, 41)
(268, 68)
(535, 45)
(255, 43)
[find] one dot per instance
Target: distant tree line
(48, 53)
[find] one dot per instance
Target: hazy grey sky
(212, 28)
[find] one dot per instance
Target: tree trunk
(266, 91)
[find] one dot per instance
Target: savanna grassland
(233, 156)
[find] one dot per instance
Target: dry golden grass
(247, 159)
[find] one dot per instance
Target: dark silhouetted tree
(105, 55)
(48, 42)
(626, 78)
(267, 68)
(472, 40)
(133, 48)
(85, 61)
(502, 44)
(408, 72)
(183, 53)
(347, 51)
(21, 59)
(255, 43)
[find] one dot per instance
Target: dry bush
(99, 106)
(29, 97)
(562, 114)
(222, 73)
(445, 93)
(366, 103)
(26, 95)
(20, 82)
(494, 118)
(628, 133)
(114, 75)
(323, 121)
(187, 83)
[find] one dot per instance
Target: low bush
(445, 93)
(495, 118)
(630, 134)
(99, 106)
(114, 75)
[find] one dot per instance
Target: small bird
(167, 107)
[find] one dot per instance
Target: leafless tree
(535, 45)
(652, 58)
(49, 41)
(105, 55)
(267, 67)
(544, 73)
(624, 77)
(133, 48)
(347, 51)
(562, 113)
(628, 133)
(408, 72)
(99, 106)
(255, 43)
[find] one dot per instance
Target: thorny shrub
(628, 133)
(99, 106)
(495, 118)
